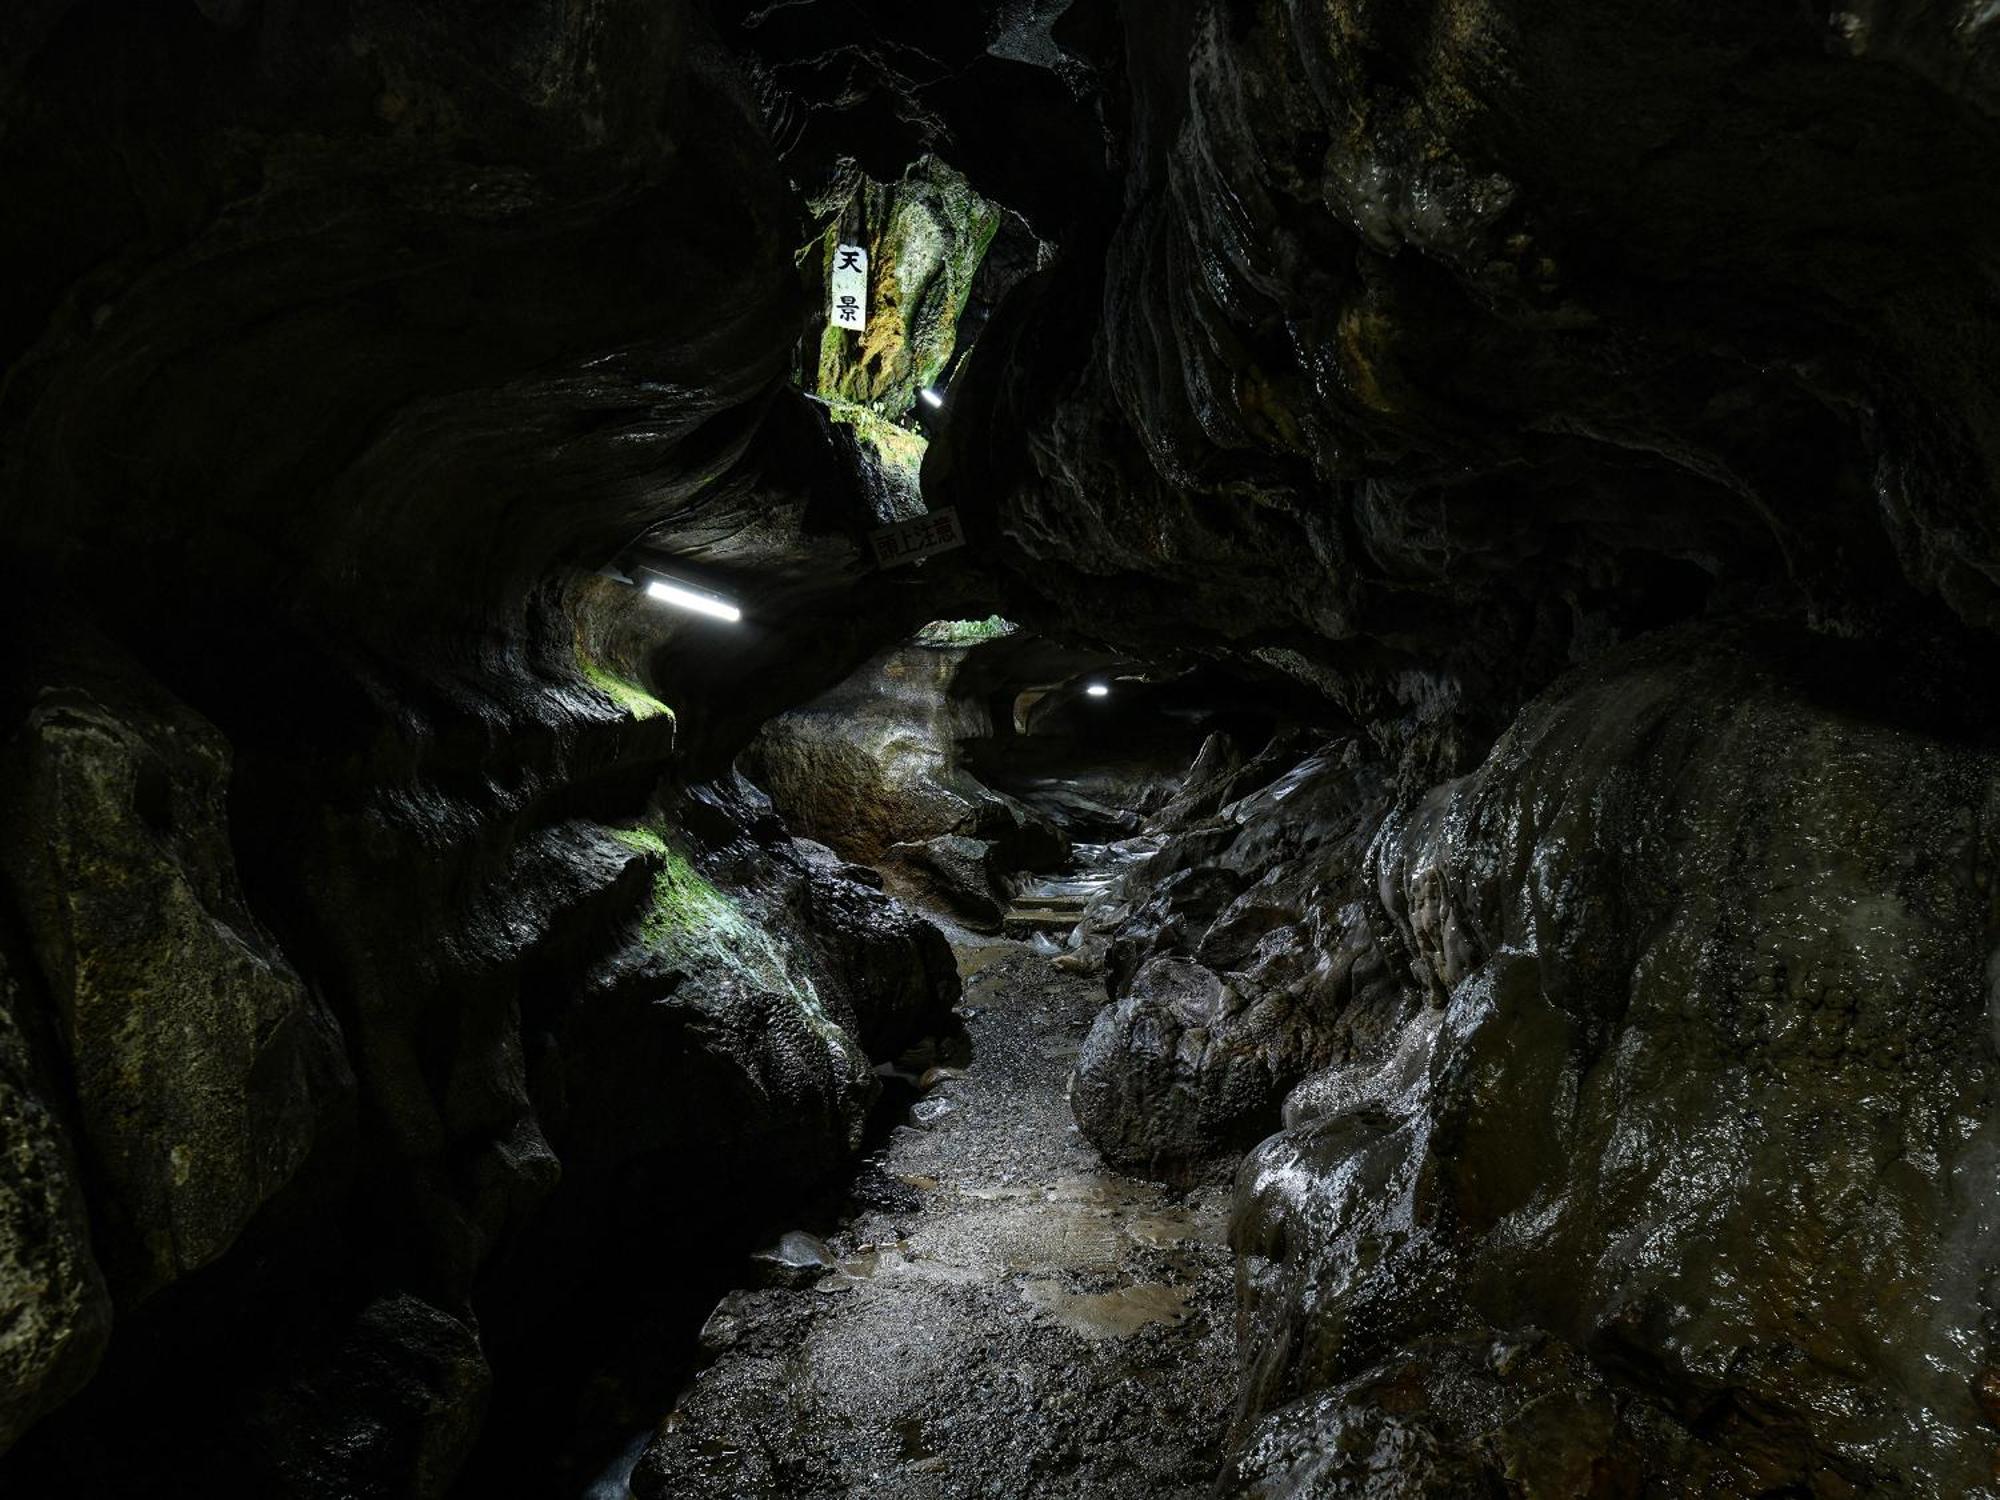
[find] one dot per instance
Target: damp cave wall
(388, 950)
(1594, 405)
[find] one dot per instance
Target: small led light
(684, 598)
(933, 397)
(1098, 690)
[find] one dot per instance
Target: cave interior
(1080, 748)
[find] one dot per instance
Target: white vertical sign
(849, 308)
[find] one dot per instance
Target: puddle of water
(972, 959)
(914, 1441)
(1109, 1315)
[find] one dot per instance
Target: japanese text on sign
(909, 541)
(850, 287)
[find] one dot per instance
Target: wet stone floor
(1003, 1316)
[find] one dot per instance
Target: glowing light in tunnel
(932, 397)
(1098, 690)
(692, 599)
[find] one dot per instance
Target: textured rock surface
(391, 1409)
(1428, 346)
(926, 236)
(203, 1070)
(54, 1311)
(1633, 1076)
(871, 763)
(1637, 1107)
(951, 873)
(879, 761)
(325, 415)
(1186, 1068)
(1235, 956)
(1685, 987)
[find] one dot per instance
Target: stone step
(1041, 919)
(1062, 902)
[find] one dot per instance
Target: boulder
(1187, 1069)
(203, 1067)
(951, 873)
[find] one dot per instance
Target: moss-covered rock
(964, 632)
(926, 236)
(893, 458)
(736, 1018)
(699, 929)
(202, 1066)
(610, 648)
(628, 695)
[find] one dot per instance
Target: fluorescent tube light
(686, 598)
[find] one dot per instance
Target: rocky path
(999, 1316)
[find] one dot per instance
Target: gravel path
(1003, 1315)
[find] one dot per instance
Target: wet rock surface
(1238, 955)
(875, 762)
(1185, 1069)
(1006, 1316)
(1683, 988)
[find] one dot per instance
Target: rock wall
(1644, 1075)
(390, 962)
(1637, 1054)
(1430, 349)
(875, 767)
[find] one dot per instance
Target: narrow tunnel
(1062, 748)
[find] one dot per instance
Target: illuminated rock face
(875, 767)
(925, 237)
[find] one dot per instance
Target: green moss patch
(628, 695)
(704, 931)
(965, 632)
(928, 235)
(894, 446)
